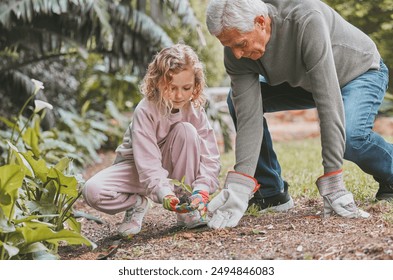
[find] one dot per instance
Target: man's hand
(229, 205)
(336, 198)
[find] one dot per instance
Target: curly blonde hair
(169, 61)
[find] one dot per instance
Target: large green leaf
(68, 184)
(11, 179)
(39, 166)
(30, 137)
(39, 232)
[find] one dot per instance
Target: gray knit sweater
(312, 47)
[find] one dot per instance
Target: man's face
(249, 45)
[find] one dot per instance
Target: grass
(301, 164)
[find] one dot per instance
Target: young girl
(169, 138)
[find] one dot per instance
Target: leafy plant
(36, 197)
(187, 188)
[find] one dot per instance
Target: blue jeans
(362, 98)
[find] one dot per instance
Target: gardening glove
(336, 198)
(229, 206)
(198, 201)
(171, 203)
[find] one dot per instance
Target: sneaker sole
(280, 208)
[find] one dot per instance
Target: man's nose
(238, 53)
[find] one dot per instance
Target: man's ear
(260, 20)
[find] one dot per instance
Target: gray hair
(233, 14)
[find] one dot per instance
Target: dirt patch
(300, 233)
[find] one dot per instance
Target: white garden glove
(229, 206)
(336, 198)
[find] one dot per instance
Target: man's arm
(247, 101)
(321, 71)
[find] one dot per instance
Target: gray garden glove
(229, 206)
(336, 198)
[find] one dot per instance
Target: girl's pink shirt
(148, 132)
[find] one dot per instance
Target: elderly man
(298, 54)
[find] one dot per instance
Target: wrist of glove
(229, 206)
(336, 198)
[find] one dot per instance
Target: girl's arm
(147, 156)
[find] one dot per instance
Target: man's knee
(355, 140)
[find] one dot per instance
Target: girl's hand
(198, 201)
(171, 203)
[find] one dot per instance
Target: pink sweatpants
(116, 188)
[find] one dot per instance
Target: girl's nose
(178, 93)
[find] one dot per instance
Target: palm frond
(183, 9)
(149, 30)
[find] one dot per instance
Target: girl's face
(181, 88)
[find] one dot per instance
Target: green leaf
(74, 224)
(34, 217)
(22, 161)
(68, 183)
(55, 144)
(38, 232)
(5, 225)
(11, 250)
(35, 247)
(39, 166)
(63, 164)
(31, 139)
(11, 179)
(10, 124)
(44, 255)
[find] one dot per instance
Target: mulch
(301, 233)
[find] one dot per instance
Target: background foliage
(86, 50)
(375, 18)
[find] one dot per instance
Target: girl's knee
(185, 131)
(90, 193)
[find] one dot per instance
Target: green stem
(16, 123)
(60, 221)
(3, 249)
(24, 127)
(21, 111)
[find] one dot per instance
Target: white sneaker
(191, 219)
(133, 217)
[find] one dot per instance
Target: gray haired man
(298, 54)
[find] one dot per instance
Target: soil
(300, 233)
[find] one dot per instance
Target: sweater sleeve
(209, 169)
(319, 61)
(148, 158)
(247, 101)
